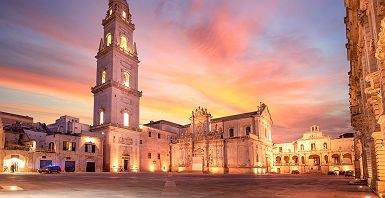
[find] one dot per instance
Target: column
(380, 160)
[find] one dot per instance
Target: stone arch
(347, 158)
(18, 161)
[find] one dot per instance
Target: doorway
(90, 167)
(125, 165)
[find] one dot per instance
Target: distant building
(315, 152)
(68, 124)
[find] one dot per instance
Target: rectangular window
(90, 148)
(280, 149)
(248, 130)
(149, 134)
(65, 146)
(158, 155)
(231, 132)
(73, 146)
(158, 135)
(141, 141)
(149, 155)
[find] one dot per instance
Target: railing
(16, 147)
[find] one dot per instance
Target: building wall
(314, 152)
(365, 33)
(155, 150)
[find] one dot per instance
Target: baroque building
(232, 144)
(315, 152)
(365, 31)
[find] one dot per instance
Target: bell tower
(116, 95)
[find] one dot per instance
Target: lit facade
(365, 29)
(26, 147)
(315, 152)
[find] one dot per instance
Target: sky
(224, 55)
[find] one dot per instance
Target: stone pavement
(97, 185)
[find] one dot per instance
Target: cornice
(117, 85)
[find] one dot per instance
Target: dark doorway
(44, 163)
(90, 167)
(69, 166)
(125, 165)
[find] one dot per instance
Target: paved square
(179, 185)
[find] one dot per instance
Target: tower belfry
(116, 95)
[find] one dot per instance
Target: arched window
(313, 147)
(125, 119)
(109, 39)
(101, 117)
(124, 15)
(325, 145)
(326, 159)
(303, 160)
(123, 42)
(51, 147)
(104, 76)
(302, 147)
(126, 79)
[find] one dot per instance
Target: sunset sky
(227, 56)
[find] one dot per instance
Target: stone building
(365, 30)
(232, 144)
(30, 146)
(315, 152)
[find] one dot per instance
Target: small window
(65, 146)
(248, 130)
(140, 141)
(124, 14)
(313, 148)
(231, 132)
(101, 117)
(125, 119)
(325, 145)
(159, 156)
(280, 149)
(104, 76)
(158, 135)
(73, 146)
(126, 79)
(302, 147)
(149, 134)
(110, 12)
(109, 39)
(123, 43)
(149, 155)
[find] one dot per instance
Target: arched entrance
(14, 163)
(314, 162)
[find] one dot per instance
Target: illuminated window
(126, 79)
(109, 39)
(110, 12)
(124, 15)
(101, 117)
(123, 42)
(125, 119)
(104, 75)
